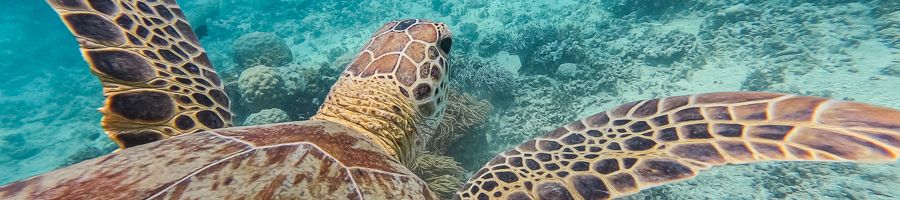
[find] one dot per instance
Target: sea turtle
(160, 86)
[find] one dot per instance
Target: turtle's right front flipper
(644, 144)
(156, 77)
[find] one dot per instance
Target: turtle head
(395, 90)
(415, 55)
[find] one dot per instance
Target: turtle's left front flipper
(156, 77)
(654, 142)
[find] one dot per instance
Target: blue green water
(539, 64)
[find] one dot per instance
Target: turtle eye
(445, 44)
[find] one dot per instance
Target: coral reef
(799, 48)
(463, 115)
(669, 48)
(296, 89)
(203, 11)
(888, 24)
(797, 180)
(762, 79)
(644, 9)
(304, 88)
(482, 77)
(441, 172)
(83, 154)
(616, 51)
(445, 185)
(261, 48)
(9, 143)
(469, 29)
(261, 87)
(86, 153)
(307, 87)
(537, 110)
(541, 49)
(891, 70)
(267, 116)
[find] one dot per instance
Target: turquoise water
(539, 64)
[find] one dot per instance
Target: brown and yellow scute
(373, 109)
(121, 65)
(305, 160)
(648, 143)
(395, 90)
(341, 143)
(157, 78)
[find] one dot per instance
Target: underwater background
(520, 69)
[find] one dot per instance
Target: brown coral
(442, 173)
(259, 48)
(463, 114)
(445, 186)
(432, 165)
(261, 87)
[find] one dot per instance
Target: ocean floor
(539, 64)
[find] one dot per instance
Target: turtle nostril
(445, 44)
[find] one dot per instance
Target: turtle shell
(296, 160)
